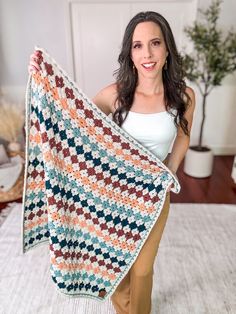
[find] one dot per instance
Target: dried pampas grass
(11, 121)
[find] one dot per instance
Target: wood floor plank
(219, 188)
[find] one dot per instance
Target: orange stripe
(37, 77)
(81, 266)
(46, 84)
(35, 223)
(35, 138)
(35, 185)
(55, 93)
(64, 104)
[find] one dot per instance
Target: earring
(133, 69)
(165, 66)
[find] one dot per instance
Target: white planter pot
(198, 164)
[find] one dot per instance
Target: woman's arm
(182, 141)
(106, 98)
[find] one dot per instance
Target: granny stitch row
(90, 189)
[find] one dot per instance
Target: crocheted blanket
(91, 190)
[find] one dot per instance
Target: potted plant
(213, 58)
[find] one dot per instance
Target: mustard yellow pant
(133, 294)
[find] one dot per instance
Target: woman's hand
(168, 190)
(34, 64)
(172, 185)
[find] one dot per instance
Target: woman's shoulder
(190, 92)
(191, 103)
(109, 89)
(105, 99)
(189, 99)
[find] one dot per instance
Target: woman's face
(148, 51)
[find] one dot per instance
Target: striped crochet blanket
(91, 190)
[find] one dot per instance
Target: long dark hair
(175, 95)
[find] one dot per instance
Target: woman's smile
(150, 66)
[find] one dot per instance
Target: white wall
(25, 23)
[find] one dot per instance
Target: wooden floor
(218, 188)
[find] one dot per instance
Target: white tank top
(155, 131)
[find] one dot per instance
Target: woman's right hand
(34, 65)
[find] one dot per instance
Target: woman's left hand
(172, 185)
(169, 188)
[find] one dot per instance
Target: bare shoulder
(191, 95)
(109, 90)
(105, 99)
(189, 113)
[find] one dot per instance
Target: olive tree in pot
(213, 57)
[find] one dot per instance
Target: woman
(151, 101)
